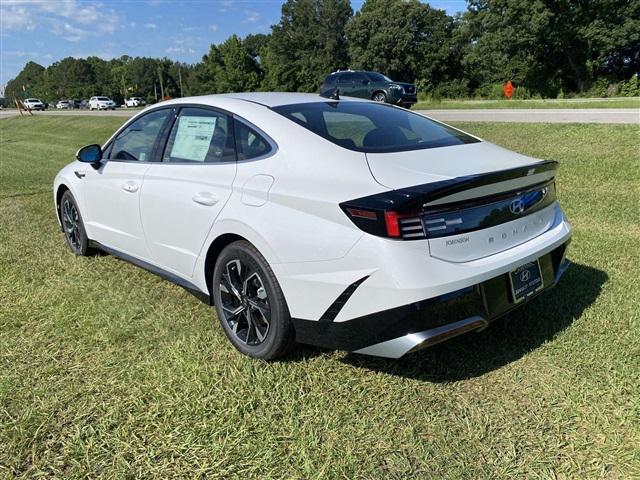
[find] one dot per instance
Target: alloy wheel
(379, 97)
(71, 222)
(245, 303)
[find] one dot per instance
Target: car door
(346, 84)
(361, 86)
(184, 193)
(112, 192)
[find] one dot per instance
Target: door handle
(205, 198)
(130, 187)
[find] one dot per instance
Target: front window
(103, 99)
(136, 141)
(373, 127)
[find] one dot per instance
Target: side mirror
(89, 154)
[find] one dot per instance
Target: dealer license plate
(525, 281)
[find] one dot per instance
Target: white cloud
(190, 29)
(180, 50)
(152, 26)
(251, 16)
(63, 17)
(213, 28)
(226, 5)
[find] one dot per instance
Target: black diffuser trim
(333, 310)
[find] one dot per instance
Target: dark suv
(371, 85)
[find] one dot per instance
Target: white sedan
(341, 223)
(101, 103)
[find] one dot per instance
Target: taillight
(391, 222)
(387, 223)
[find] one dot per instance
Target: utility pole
(180, 78)
(161, 84)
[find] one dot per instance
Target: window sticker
(193, 138)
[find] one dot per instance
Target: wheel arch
(378, 90)
(62, 188)
(213, 253)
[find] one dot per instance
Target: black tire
(250, 305)
(73, 226)
(379, 97)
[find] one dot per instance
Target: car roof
(267, 99)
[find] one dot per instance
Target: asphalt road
(587, 115)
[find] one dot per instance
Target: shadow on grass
(506, 340)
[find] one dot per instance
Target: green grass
(492, 104)
(107, 371)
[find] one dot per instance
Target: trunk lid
(404, 169)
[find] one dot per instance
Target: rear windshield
(373, 127)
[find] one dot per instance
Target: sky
(46, 31)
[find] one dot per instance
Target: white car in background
(134, 102)
(101, 103)
(33, 104)
(63, 105)
(341, 223)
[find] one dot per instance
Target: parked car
(134, 102)
(84, 104)
(63, 105)
(370, 85)
(33, 104)
(429, 233)
(101, 103)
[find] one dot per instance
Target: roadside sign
(509, 89)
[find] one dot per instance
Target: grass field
(109, 372)
(527, 104)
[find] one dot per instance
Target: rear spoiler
(411, 197)
(384, 213)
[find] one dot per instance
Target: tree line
(547, 48)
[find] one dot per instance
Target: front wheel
(250, 304)
(379, 97)
(73, 225)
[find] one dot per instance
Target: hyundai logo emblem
(525, 275)
(517, 206)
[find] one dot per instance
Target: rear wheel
(250, 304)
(73, 226)
(379, 97)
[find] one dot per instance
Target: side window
(330, 80)
(136, 141)
(200, 136)
(249, 143)
(359, 78)
(346, 78)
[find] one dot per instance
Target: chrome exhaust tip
(411, 342)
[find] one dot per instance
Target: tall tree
(307, 43)
(407, 40)
(27, 82)
(232, 67)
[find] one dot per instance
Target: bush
(456, 88)
(492, 91)
(629, 88)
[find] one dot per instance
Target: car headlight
(395, 87)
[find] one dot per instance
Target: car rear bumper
(395, 332)
(385, 290)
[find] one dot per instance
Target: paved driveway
(587, 115)
(569, 115)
